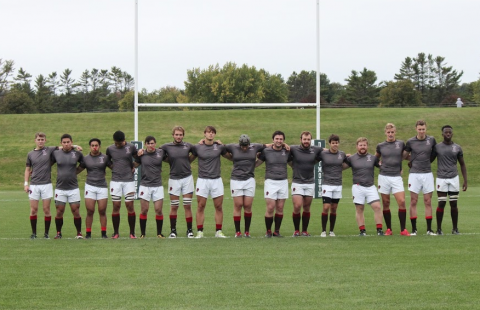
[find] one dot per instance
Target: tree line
(421, 80)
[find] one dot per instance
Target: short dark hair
(421, 122)
(119, 136)
(66, 136)
(210, 128)
(278, 133)
(447, 126)
(150, 138)
(306, 133)
(94, 140)
(333, 137)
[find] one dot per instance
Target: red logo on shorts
(30, 191)
(198, 189)
(56, 195)
(378, 186)
(294, 189)
(141, 194)
(353, 197)
(267, 193)
(233, 191)
(409, 184)
(324, 191)
(111, 190)
(438, 186)
(170, 188)
(86, 192)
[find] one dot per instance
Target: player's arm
(192, 157)
(79, 169)
(28, 170)
(258, 162)
(286, 146)
(228, 156)
(345, 166)
(463, 168)
(406, 155)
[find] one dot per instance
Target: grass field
(345, 272)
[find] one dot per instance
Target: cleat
(380, 233)
(199, 235)
(88, 237)
(79, 236)
(388, 232)
(115, 236)
(296, 233)
(323, 234)
(268, 234)
(160, 236)
(455, 231)
(33, 236)
(173, 234)
(363, 232)
(190, 233)
(439, 232)
(219, 234)
(431, 233)
(238, 234)
(104, 236)
(331, 234)
(142, 236)
(132, 236)
(413, 233)
(277, 234)
(247, 234)
(404, 233)
(58, 236)
(46, 236)
(305, 234)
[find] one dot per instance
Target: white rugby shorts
(121, 188)
(37, 192)
(181, 186)
(361, 194)
(420, 182)
(212, 187)
(70, 196)
(390, 185)
(448, 185)
(276, 189)
(303, 189)
(242, 188)
(95, 193)
(150, 193)
(332, 191)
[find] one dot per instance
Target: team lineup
(122, 158)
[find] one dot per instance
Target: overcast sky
(43, 36)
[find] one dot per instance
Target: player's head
(244, 140)
(390, 126)
(362, 145)
(179, 129)
(306, 139)
(333, 137)
(420, 122)
(362, 140)
(390, 131)
(95, 140)
(118, 136)
(447, 133)
(66, 136)
(149, 139)
(178, 134)
(210, 129)
(447, 126)
(421, 127)
(41, 135)
(278, 133)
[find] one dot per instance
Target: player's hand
(140, 152)
(201, 141)
(219, 142)
(286, 146)
(26, 188)
(78, 148)
(464, 188)
(409, 164)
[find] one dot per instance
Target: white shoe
(190, 234)
(430, 233)
(413, 233)
(199, 234)
(173, 234)
(219, 234)
(323, 234)
(331, 234)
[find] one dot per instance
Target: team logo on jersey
(158, 153)
(44, 152)
(184, 146)
(101, 159)
(339, 156)
(428, 141)
(369, 157)
(127, 149)
(283, 153)
(454, 148)
(397, 145)
(74, 155)
(215, 147)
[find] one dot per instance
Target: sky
(43, 36)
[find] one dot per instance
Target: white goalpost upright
(229, 105)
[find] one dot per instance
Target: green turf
(345, 272)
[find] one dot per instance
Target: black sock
(278, 221)
(268, 222)
(131, 222)
(296, 221)
(143, 225)
(402, 216)
(116, 222)
(387, 215)
(305, 220)
(59, 223)
(324, 221)
(248, 220)
(78, 224)
(333, 219)
(159, 221)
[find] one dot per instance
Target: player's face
(390, 133)
(94, 148)
(40, 142)
(244, 147)
(178, 136)
(119, 144)
(421, 131)
(209, 135)
(447, 134)
(306, 141)
(362, 148)
(66, 144)
(151, 146)
(278, 141)
(334, 146)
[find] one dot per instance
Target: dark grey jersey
(391, 157)
(332, 166)
(275, 163)
(420, 151)
(66, 168)
(363, 168)
(96, 166)
(209, 159)
(447, 157)
(40, 162)
(122, 161)
(244, 161)
(303, 163)
(178, 159)
(151, 167)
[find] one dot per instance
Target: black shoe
(439, 232)
(104, 236)
(46, 236)
(88, 237)
(363, 232)
(455, 231)
(277, 234)
(189, 233)
(33, 236)
(380, 232)
(58, 236)
(268, 234)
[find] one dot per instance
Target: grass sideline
(345, 272)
